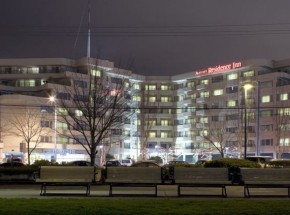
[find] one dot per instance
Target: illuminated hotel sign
(219, 68)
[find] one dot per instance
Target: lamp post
(53, 100)
(246, 88)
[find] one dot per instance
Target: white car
(126, 162)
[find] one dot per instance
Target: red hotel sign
(219, 68)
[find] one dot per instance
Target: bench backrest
(266, 174)
(134, 174)
(186, 174)
(67, 172)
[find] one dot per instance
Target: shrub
(279, 163)
(39, 163)
(232, 163)
(157, 159)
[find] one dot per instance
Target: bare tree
(27, 126)
(96, 106)
(217, 133)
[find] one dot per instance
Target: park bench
(81, 176)
(265, 178)
(133, 177)
(201, 177)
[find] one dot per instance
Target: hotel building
(230, 108)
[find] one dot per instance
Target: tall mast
(89, 31)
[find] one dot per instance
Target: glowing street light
(246, 88)
(52, 99)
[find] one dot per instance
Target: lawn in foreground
(138, 206)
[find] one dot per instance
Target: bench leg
(224, 191)
(178, 190)
(246, 191)
(155, 190)
(88, 193)
(43, 189)
(111, 190)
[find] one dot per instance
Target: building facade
(229, 109)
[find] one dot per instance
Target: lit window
(164, 122)
(204, 120)
(232, 103)
(27, 83)
(137, 98)
(283, 96)
(96, 72)
(152, 99)
(62, 125)
(164, 134)
(190, 84)
(204, 94)
(266, 99)
(34, 70)
(152, 134)
(151, 122)
(284, 111)
(165, 99)
(62, 111)
(218, 92)
(205, 81)
(136, 86)
(232, 76)
(284, 142)
(78, 113)
(62, 140)
(164, 87)
(248, 73)
(150, 87)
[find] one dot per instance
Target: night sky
(150, 37)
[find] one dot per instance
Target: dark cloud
(151, 37)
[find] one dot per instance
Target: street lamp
(53, 100)
(246, 88)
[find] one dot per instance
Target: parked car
(146, 163)
(262, 160)
(126, 162)
(80, 163)
(12, 164)
(113, 163)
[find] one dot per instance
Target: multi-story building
(231, 108)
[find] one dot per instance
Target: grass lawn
(127, 206)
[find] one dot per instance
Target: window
(218, 92)
(231, 130)
(46, 124)
(232, 103)
(266, 113)
(116, 131)
(164, 134)
(284, 111)
(152, 99)
(204, 94)
(62, 140)
(266, 127)
(151, 122)
(150, 87)
(62, 125)
(152, 134)
(284, 142)
(205, 81)
(284, 127)
(46, 139)
(267, 142)
(232, 117)
(232, 89)
(165, 99)
(62, 111)
(116, 80)
(215, 118)
(164, 87)
(190, 84)
(26, 83)
(266, 99)
(136, 86)
(283, 97)
(46, 109)
(137, 98)
(79, 83)
(248, 74)
(204, 120)
(217, 79)
(96, 72)
(63, 96)
(164, 122)
(232, 76)
(78, 113)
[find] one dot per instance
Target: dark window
(233, 89)
(217, 79)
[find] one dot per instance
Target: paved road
(97, 191)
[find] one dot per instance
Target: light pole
(53, 100)
(246, 88)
